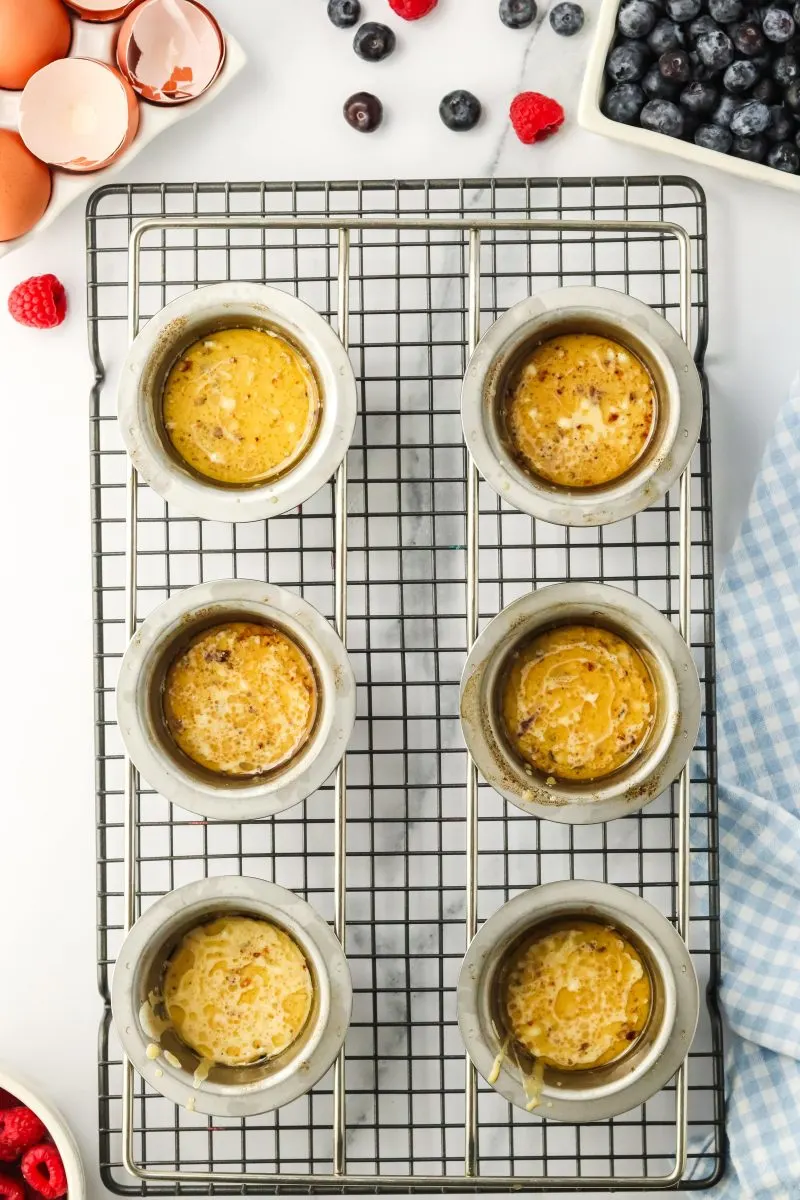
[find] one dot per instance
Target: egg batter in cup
(580, 703)
(577, 1000)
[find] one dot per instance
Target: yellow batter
(241, 698)
(241, 405)
(578, 702)
(580, 410)
(238, 990)
(576, 997)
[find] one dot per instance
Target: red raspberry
(412, 10)
(40, 302)
(19, 1129)
(11, 1189)
(535, 116)
(43, 1169)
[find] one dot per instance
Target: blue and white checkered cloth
(758, 683)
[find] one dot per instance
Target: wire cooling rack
(425, 852)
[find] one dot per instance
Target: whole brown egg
(32, 34)
(24, 187)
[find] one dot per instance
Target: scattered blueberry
(636, 18)
(656, 87)
(725, 11)
(363, 111)
(750, 119)
(344, 13)
(699, 98)
(723, 113)
(567, 18)
(786, 69)
(627, 62)
(460, 110)
(781, 127)
(713, 137)
(748, 38)
(623, 103)
(699, 26)
(784, 157)
(715, 50)
(778, 25)
(675, 66)
(740, 76)
(767, 91)
(662, 116)
(666, 35)
(374, 41)
(754, 149)
(518, 14)
(792, 97)
(683, 10)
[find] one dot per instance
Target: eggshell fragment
(32, 34)
(24, 187)
(170, 50)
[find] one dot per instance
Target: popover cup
(167, 632)
(199, 314)
(168, 1065)
(600, 1092)
(661, 756)
(505, 347)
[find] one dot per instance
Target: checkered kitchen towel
(758, 681)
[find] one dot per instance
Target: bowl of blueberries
(714, 81)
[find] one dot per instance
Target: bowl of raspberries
(714, 81)
(38, 1156)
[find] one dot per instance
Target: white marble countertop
(281, 119)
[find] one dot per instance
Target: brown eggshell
(32, 34)
(24, 187)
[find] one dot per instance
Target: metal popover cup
(166, 1062)
(142, 722)
(664, 752)
(594, 1093)
(514, 336)
(158, 346)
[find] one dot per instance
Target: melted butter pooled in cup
(241, 405)
(578, 702)
(576, 997)
(580, 410)
(238, 990)
(241, 699)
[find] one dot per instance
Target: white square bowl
(591, 117)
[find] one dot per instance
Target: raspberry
(535, 116)
(40, 302)
(43, 1169)
(412, 10)
(7, 1100)
(10, 1189)
(19, 1129)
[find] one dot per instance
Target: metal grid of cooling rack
(423, 853)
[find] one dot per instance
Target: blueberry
(750, 119)
(567, 18)
(699, 98)
(767, 91)
(684, 10)
(740, 76)
(675, 66)
(723, 113)
(374, 41)
(792, 97)
(748, 38)
(785, 69)
(713, 137)
(636, 18)
(656, 87)
(796, 13)
(344, 13)
(754, 149)
(724, 11)
(784, 157)
(782, 126)
(627, 62)
(662, 116)
(700, 25)
(666, 35)
(518, 14)
(624, 102)
(460, 110)
(715, 50)
(778, 25)
(363, 111)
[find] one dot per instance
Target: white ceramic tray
(94, 40)
(591, 118)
